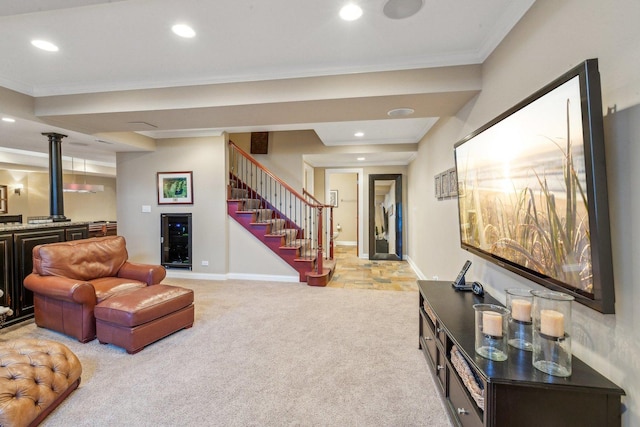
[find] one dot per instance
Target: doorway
(385, 217)
(351, 227)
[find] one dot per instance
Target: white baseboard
(186, 274)
(263, 277)
(345, 243)
(415, 268)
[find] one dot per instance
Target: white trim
(186, 274)
(345, 243)
(263, 277)
(308, 172)
(415, 268)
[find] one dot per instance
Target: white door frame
(307, 177)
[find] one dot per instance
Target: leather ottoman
(35, 377)
(143, 316)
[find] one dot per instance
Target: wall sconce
(18, 189)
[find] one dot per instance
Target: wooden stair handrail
(318, 203)
(317, 206)
(268, 172)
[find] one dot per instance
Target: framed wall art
(175, 188)
(259, 142)
(4, 208)
(453, 183)
(333, 198)
(444, 177)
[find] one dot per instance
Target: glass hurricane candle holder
(491, 331)
(552, 332)
(520, 302)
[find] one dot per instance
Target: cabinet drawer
(429, 340)
(441, 368)
(463, 407)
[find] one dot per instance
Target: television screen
(533, 190)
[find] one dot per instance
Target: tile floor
(353, 272)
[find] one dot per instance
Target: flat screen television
(533, 189)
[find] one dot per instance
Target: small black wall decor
(259, 142)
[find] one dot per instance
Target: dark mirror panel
(385, 217)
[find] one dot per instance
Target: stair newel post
(319, 268)
(310, 225)
(331, 243)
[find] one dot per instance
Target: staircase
(289, 224)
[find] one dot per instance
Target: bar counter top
(22, 226)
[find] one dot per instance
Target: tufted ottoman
(35, 376)
(143, 316)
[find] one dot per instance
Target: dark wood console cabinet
(515, 393)
(16, 249)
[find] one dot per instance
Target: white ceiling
(253, 65)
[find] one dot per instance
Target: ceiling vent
(143, 125)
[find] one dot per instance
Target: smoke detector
(401, 9)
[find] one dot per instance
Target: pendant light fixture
(81, 188)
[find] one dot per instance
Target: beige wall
(34, 198)
(318, 184)
(550, 39)
(91, 206)
(284, 156)
(346, 214)
(228, 248)
(16, 204)
(250, 259)
(137, 187)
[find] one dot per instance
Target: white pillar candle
(552, 323)
(521, 310)
(492, 323)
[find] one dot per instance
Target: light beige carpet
(262, 354)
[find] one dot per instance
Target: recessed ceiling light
(401, 9)
(350, 12)
(45, 45)
(359, 134)
(8, 120)
(398, 112)
(183, 30)
(361, 159)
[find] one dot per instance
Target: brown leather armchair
(70, 278)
